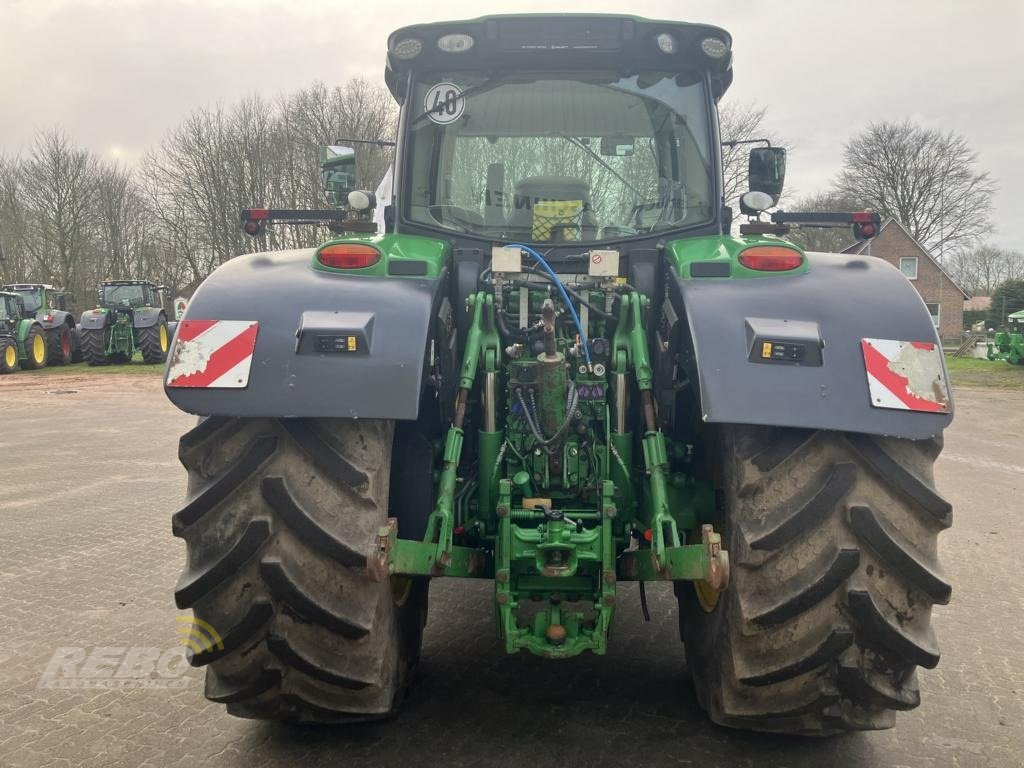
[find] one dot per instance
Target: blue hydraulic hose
(565, 296)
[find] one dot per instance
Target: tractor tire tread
(5, 343)
(29, 364)
(194, 585)
(94, 346)
(304, 603)
(833, 540)
(278, 521)
(238, 636)
(256, 453)
(149, 343)
(55, 349)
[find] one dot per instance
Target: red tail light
(348, 256)
(771, 258)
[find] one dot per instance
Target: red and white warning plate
(215, 354)
(906, 375)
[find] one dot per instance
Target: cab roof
(538, 42)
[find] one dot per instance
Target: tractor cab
(12, 309)
(39, 298)
(558, 130)
(129, 294)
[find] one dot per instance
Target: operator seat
(537, 215)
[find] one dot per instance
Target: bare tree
(125, 227)
(982, 269)
(58, 184)
(926, 179)
(14, 261)
(257, 153)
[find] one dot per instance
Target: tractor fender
(93, 319)
(828, 310)
(24, 326)
(52, 318)
(302, 363)
(144, 317)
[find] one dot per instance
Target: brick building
(943, 297)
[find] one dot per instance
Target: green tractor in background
(22, 337)
(550, 365)
(52, 308)
(130, 316)
(1008, 345)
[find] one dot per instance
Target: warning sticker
(905, 375)
(213, 354)
(444, 103)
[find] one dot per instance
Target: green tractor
(130, 316)
(1008, 345)
(52, 308)
(544, 361)
(22, 337)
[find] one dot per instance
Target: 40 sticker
(444, 103)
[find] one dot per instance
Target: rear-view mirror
(767, 171)
(338, 173)
(617, 146)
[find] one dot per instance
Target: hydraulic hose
(565, 295)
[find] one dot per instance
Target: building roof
(864, 247)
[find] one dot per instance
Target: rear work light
(713, 47)
(771, 258)
(407, 49)
(455, 43)
(348, 256)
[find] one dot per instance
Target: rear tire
(280, 516)
(8, 355)
(154, 342)
(76, 345)
(35, 349)
(60, 345)
(832, 539)
(94, 346)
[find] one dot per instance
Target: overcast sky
(117, 73)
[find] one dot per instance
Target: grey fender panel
(93, 319)
(848, 299)
(147, 316)
(289, 376)
(60, 317)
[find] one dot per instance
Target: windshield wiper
(577, 143)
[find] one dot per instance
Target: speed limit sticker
(444, 103)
